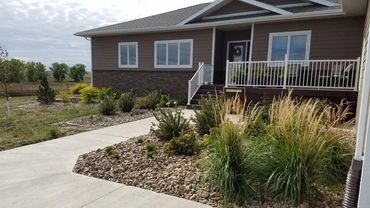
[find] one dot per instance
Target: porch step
(205, 91)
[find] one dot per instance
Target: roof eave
(306, 15)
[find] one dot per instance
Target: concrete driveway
(40, 175)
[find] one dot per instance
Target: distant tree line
(19, 70)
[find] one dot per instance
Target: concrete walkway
(40, 175)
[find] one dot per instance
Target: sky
(42, 30)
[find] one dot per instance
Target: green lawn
(27, 127)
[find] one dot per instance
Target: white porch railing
(316, 74)
(204, 75)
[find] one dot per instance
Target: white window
(128, 55)
(295, 44)
(173, 54)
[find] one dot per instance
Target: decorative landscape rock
(179, 176)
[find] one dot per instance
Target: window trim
(289, 34)
(136, 44)
(178, 66)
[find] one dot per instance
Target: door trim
(238, 41)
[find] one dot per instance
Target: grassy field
(27, 88)
(32, 126)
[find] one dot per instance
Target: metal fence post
(227, 73)
(285, 71)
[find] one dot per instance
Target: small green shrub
(228, 164)
(126, 102)
(181, 100)
(112, 151)
(104, 92)
(54, 132)
(45, 95)
(76, 89)
(185, 144)
(149, 150)
(107, 106)
(208, 116)
(89, 95)
(171, 123)
(150, 101)
(64, 96)
(166, 101)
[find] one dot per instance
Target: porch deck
(307, 78)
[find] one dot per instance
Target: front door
(238, 50)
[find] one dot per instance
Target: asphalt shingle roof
(167, 19)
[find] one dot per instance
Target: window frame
(128, 65)
(308, 33)
(177, 66)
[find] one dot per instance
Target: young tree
(77, 72)
(35, 71)
(45, 95)
(17, 69)
(5, 76)
(59, 71)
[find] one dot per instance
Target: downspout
(91, 58)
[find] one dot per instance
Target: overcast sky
(42, 30)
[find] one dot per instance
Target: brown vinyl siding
(105, 58)
(105, 49)
(339, 38)
(235, 7)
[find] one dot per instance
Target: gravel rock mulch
(179, 176)
(127, 163)
(93, 122)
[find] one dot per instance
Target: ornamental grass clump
(227, 163)
(207, 117)
(303, 148)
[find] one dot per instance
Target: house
(256, 47)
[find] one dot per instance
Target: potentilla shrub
(185, 144)
(304, 148)
(171, 123)
(126, 102)
(227, 163)
(107, 106)
(64, 96)
(208, 116)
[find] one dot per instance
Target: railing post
(249, 73)
(189, 92)
(285, 71)
(358, 68)
(212, 73)
(227, 73)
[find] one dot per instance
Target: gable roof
(191, 17)
(167, 19)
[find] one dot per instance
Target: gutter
(266, 19)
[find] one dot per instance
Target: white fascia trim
(325, 3)
(136, 44)
(254, 12)
(289, 34)
(255, 20)
(200, 12)
(267, 7)
(156, 66)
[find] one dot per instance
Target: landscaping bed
(175, 175)
(92, 122)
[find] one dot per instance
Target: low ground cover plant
(185, 144)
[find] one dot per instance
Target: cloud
(42, 30)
